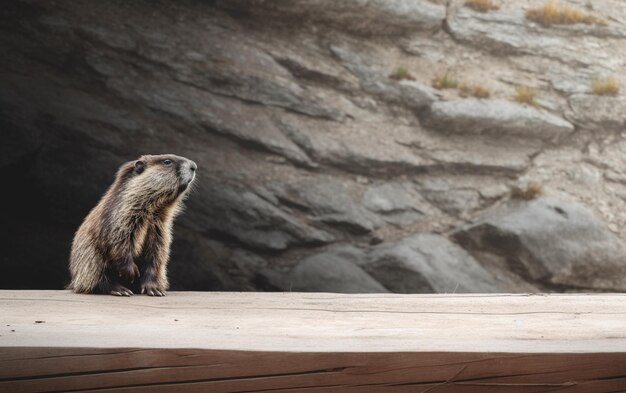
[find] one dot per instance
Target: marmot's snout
(188, 172)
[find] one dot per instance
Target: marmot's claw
(121, 291)
(152, 291)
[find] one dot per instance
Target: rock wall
(317, 170)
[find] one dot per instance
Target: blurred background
(406, 146)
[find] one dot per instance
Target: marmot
(128, 234)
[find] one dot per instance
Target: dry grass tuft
(605, 87)
(555, 13)
(481, 5)
(444, 81)
(532, 190)
(402, 73)
(526, 95)
(477, 91)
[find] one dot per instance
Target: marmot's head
(162, 177)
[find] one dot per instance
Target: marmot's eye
(167, 162)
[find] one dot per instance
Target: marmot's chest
(139, 238)
(155, 228)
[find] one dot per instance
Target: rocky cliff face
(327, 160)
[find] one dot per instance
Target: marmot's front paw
(152, 290)
(129, 271)
(119, 290)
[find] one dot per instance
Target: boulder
(397, 203)
(328, 200)
(250, 220)
(598, 113)
(556, 244)
(225, 117)
(387, 17)
(454, 201)
(333, 270)
(373, 149)
(510, 31)
(220, 268)
(375, 80)
(450, 197)
(206, 276)
(254, 273)
(428, 263)
(415, 95)
(478, 154)
(476, 116)
(305, 62)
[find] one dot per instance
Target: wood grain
(264, 342)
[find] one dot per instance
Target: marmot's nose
(193, 166)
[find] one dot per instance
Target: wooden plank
(317, 322)
(236, 342)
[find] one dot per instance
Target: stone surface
(302, 138)
(327, 200)
(370, 149)
(334, 270)
(415, 95)
(374, 79)
(553, 243)
(250, 219)
(389, 17)
(598, 113)
(476, 116)
(508, 30)
(396, 203)
(426, 263)
(449, 196)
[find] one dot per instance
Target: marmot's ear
(139, 166)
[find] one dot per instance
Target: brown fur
(127, 236)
